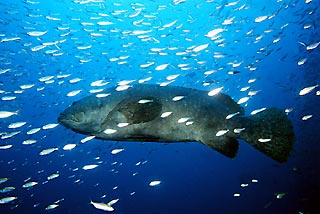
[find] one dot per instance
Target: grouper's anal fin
(226, 146)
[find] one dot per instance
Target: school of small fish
(51, 57)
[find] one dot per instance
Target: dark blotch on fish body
(206, 116)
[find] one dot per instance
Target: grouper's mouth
(72, 122)
(67, 119)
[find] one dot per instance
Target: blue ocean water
(54, 52)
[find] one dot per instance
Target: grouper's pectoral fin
(226, 146)
(140, 111)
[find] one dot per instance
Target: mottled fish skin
(93, 115)
(195, 117)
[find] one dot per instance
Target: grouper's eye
(79, 117)
(74, 118)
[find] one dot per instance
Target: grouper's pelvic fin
(270, 132)
(226, 146)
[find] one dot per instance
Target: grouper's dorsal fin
(227, 101)
(140, 111)
(226, 146)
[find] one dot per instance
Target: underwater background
(54, 52)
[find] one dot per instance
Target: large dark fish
(151, 113)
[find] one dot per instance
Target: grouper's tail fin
(271, 132)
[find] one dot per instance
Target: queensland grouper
(151, 113)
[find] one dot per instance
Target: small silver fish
(307, 90)
(5, 114)
(7, 199)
